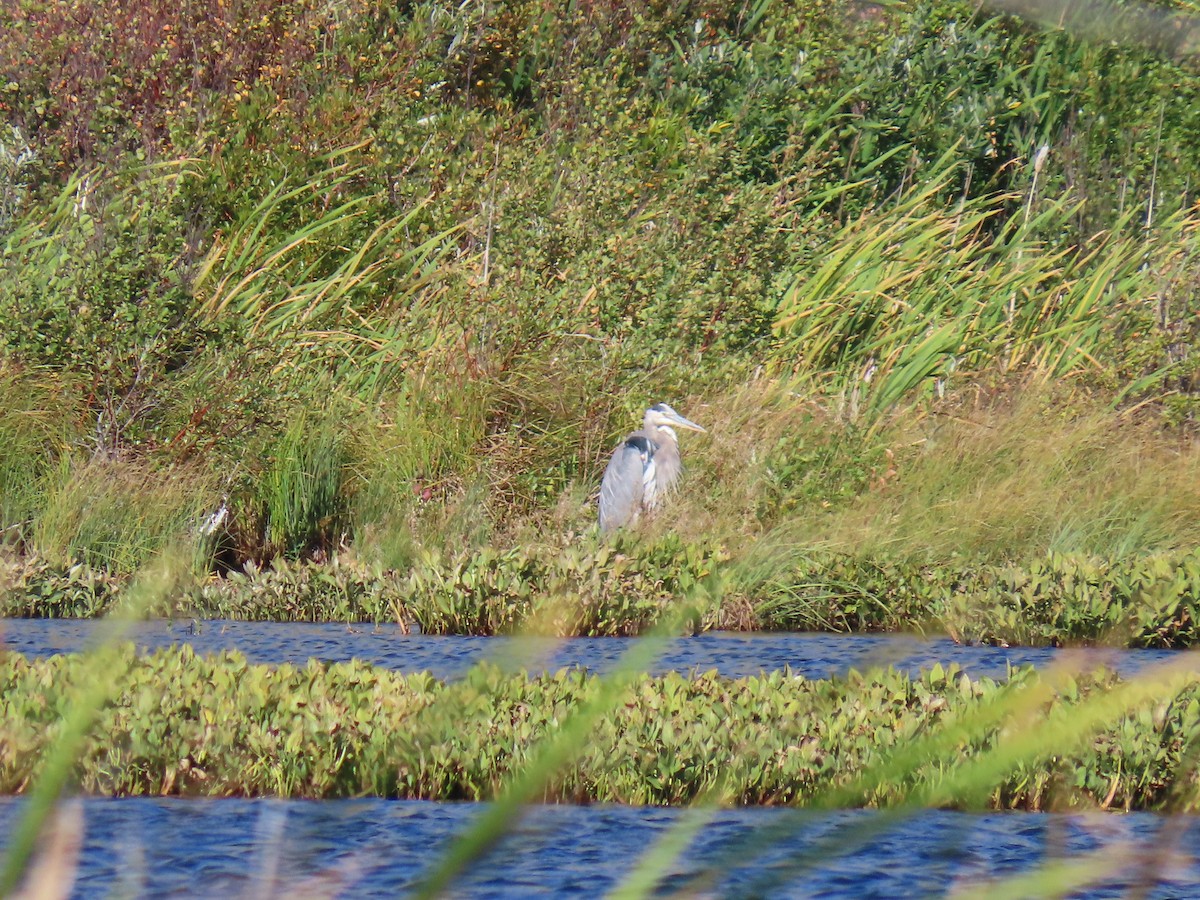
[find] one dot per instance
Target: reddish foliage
(77, 75)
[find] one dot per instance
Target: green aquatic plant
(36, 588)
(592, 588)
(632, 586)
(876, 738)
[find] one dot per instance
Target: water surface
(729, 653)
(156, 847)
(378, 848)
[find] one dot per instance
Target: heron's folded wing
(622, 487)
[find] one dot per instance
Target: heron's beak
(679, 420)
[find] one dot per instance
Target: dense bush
(98, 292)
(90, 82)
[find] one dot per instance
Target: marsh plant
(305, 506)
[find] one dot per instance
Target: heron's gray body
(644, 469)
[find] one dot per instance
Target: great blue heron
(643, 469)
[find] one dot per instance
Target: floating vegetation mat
(176, 723)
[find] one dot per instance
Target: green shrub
(95, 287)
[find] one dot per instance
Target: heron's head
(661, 415)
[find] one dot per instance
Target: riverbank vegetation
(630, 586)
(341, 307)
(296, 282)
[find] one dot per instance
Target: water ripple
(153, 847)
(729, 653)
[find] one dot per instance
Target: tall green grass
(313, 270)
(303, 490)
(415, 477)
(119, 514)
(915, 296)
(36, 429)
(1019, 480)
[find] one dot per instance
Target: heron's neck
(666, 432)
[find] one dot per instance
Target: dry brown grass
(1028, 477)
(1013, 472)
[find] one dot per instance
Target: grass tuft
(118, 514)
(305, 502)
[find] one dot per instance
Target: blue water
(731, 654)
(153, 847)
(378, 848)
